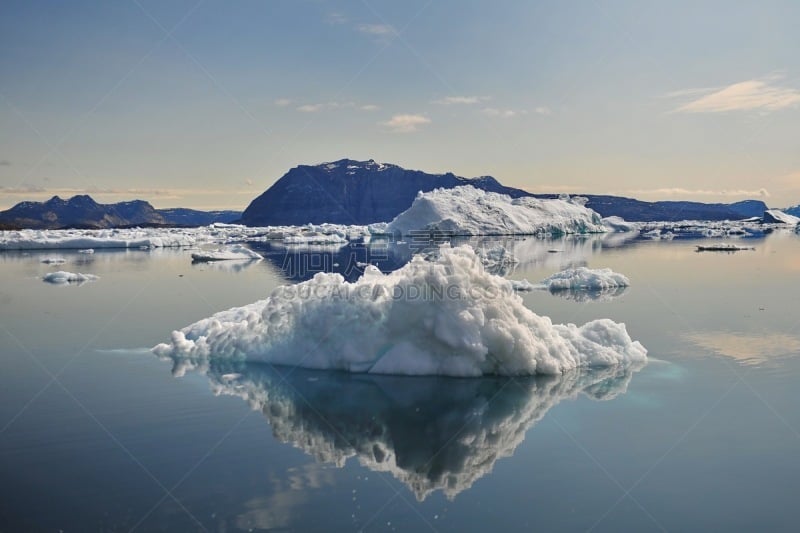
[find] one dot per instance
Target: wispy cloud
(310, 108)
(5, 163)
(406, 123)
(377, 30)
(313, 108)
(336, 19)
(461, 100)
(502, 113)
(282, 102)
(543, 110)
(762, 94)
(679, 191)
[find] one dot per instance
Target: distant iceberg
(582, 278)
(469, 211)
(62, 277)
(236, 252)
(443, 317)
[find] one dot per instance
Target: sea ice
(443, 317)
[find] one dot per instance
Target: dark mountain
(79, 211)
(795, 211)
(363, 192)
(83, 212)
(351, 192)
(180, 216)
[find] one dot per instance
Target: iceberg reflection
(431, 433)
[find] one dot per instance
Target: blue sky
(205, 104)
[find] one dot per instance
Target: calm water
(97, 435)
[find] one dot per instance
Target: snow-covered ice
(237, 252)
(442, 317)
(466, 210)
(61, 277)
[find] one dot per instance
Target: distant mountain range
(363, 192)
(343, 192)
(83, 212)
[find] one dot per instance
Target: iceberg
(86, 239)
(62, 277)
(236, 252)
(582, 278)
(431, 317)
(433, 434)
(466, 210)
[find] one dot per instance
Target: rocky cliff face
(351, 192)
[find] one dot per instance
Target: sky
(206, 103)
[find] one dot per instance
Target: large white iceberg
(443, 317)
(469, 211)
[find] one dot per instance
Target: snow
(61, 277)
(582, 278)
(376, 420)
(232, 253)
(443, 317)
(466, 210)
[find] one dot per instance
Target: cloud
(543, 110)
(502, 113)
(282, 102)
(335, 19)
(313, 108)
(5, 163)
(763, 94)
(679, 191)
(310, 108)
(406, 123)
(460, 100)
(377, 30)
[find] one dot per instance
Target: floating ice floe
(443, 317)
(722, 247)
(236, 252)
(468, 424)
(61, 277)
(469, 211)
(86, 251)
(55, 260)
(582, 278)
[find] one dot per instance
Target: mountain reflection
(431, 433)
